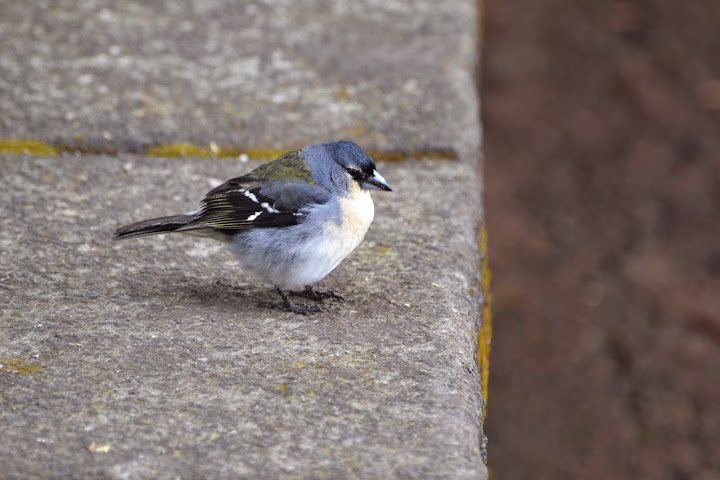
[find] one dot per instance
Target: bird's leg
(288, 305)
(317, 295)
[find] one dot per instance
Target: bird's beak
(376, 182)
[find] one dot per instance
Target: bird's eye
(354, 172)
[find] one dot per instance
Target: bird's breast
(357, 215)
(358, 212)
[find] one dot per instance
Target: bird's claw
(317, 295)
(293, 307)
(290, 306)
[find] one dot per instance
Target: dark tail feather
(154, 226)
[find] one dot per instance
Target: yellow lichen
(384, 249)
(17, 365)
(260, 154)
(212, 150)
(485, 331)
(174, 150)
(481, 21)
(342, 94)
(427, 154)
(19, 146)
(180, 150)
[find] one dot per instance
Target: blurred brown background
(602, 175)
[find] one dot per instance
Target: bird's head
(334, 165)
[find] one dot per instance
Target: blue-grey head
(335, 165)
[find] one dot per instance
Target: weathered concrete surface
(156, 350)
(255, 74)
(150, 358)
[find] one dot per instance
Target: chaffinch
(291, 221)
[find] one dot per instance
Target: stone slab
(151, 359)
(155, 360)
(125, 75)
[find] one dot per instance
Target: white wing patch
(268, 208)
(250, 195)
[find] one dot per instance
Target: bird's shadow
(173, 288)
(177, 288)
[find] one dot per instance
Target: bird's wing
(245, 202)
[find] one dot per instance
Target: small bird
(290, 221)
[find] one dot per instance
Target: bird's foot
(317, 295)
(290, 306)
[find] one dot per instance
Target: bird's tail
(154, 226)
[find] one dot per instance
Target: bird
(289, 222)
